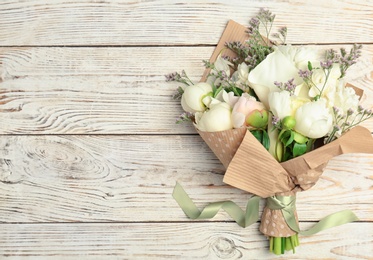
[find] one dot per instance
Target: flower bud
(288, 122)
(257, 119)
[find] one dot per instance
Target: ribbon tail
(242, 218)
(332, 220)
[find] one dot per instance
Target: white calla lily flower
(275, 67)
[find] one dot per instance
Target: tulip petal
(275, 67)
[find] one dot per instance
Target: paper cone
(224, 144)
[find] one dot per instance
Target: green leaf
(266, 141)
(299, 149)
(237, 91)
(309, 66)
(287, 137)
(217, 91)
(310, 144)
(300, 139)
(258, 134)
(286, 156)
(291, 139)
(213, 88)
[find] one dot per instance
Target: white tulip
(275, 67)
(218, 118)
(191, 100)
(313, 119)
(280, 104)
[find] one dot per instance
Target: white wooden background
(89, 152)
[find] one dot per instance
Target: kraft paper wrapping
(224, 144)
(254, 170)
(251, 168)
(233, 32)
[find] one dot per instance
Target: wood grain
(109, 90)
(113, 178)
(89, 22)
(175, 241)
(89, 152)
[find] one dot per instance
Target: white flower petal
(276, 67)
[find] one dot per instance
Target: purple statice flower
(336, 128)
(283, 31)
(336, 110)
(184, 117)
(350, 111)
(305, 74)
(266, 15)
(367, 112)
(224, 75)
(276, 122)
(172, 76)
(290, 86)
(254, 23)
(326, 64)
(278, 84)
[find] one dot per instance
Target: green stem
(278, 245)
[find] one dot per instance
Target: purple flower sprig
(287, 86)
(185, 117)
(345, 121)
(177, 77)
(281, 35)
(346, 60)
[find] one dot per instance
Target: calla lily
(280, 103)
(275, 67)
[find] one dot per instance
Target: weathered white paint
(89, 152)
(109, 90)
(169, 22)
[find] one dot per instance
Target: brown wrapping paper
(224, 144)
(233, 32)
(251, 168)
(254, 170)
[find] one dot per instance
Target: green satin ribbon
(244, 219)
(287, 206)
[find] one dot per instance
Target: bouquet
(274, 114)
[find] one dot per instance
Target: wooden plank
(90, 22)
(109, 90)
(174, 240)
(114, 178)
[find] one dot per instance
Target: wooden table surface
(90, 153)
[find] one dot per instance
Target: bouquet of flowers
(274, 115)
